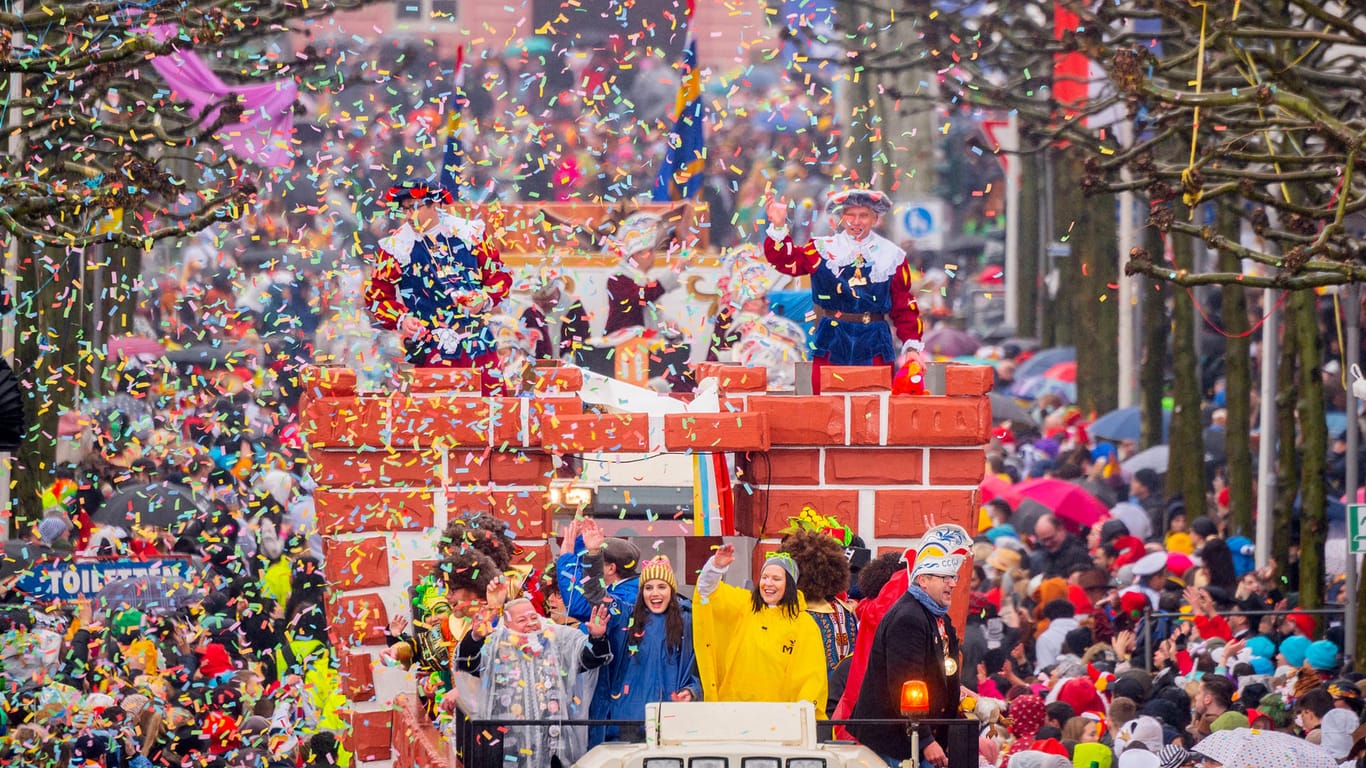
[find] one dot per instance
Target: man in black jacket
(916, 640)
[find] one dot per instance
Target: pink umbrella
(134, 346)
(1070, 502)
(993, 487)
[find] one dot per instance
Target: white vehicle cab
(708, 734)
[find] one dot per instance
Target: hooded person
(859, 281)
(1336, 734)
(1027, 716)
(436, 278)
(1143, 730)
(533, 669)
(760, 644)
(916, 640)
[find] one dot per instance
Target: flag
(452, 154)
(681, 174)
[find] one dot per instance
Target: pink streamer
(267, 128)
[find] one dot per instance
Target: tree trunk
(50, 325)
(1314, 447)
(1237, 390)
(1287, 435)
(1091, 294)
(1186, 462)
(1152, 374)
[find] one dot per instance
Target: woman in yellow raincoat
(758, 645)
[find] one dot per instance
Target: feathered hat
(872, 199)
(417, 190)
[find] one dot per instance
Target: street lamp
(915, 703)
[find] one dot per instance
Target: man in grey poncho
(532, 669)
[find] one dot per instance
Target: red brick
(357, 619)
(625, 432)
(469, 467)
(423, 568)
(855, 378)
(767, 510)
(800, 466)
(356, 564)
(357, 511)
(467, 380)
(534, 553)
(735, 378)
(544, 406)
(960, 466)
(345, 422)
(416, 741)
(873, 466)
(453, 420)
(910, 513)
(525, 511)
(564, 378)
(696, 551)
(865, 420)
(705, 370)
(358, 675)
(802, 420)
(716, 432)
(345, 469)
(369, 734)
(938, 421)
(974, 380)
(327, 381)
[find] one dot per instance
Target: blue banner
(71, 580)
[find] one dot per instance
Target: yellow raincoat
(766, 656)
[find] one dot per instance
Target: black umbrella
(165, 505)
(1026, 516)
(19, 556)
(11, 409)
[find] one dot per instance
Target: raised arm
(785, 256)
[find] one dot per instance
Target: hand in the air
(776, 211)
(725, 555)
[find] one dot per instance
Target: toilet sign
(922, 222)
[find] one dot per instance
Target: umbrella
(1042, 360)
(1026, 516)
(128, 347)
(19, 556)
(161, 592)
(950, 342)
(160, 504)
(11, 409)
(1253, 748)
(1155, 458)
(993, 487)
(1062, 371)
(1006, 408)
(1070, 502)
(1134, 517)
(1036, 387)
(1126, 424)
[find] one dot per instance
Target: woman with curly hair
(486, 533)
(760, 644)
(825, 578)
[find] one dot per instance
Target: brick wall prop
(393, 467)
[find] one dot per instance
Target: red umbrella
(1070, 502)
(993, 487)
(1062, 372)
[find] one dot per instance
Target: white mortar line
(884, 416)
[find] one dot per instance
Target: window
(422, 10)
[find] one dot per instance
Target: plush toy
(910, 376)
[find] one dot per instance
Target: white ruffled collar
(881, 255)
(400, 243)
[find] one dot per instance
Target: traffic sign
(921, 221)
(1356, 528)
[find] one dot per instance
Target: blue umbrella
(1043, 360)
(1126, 424)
